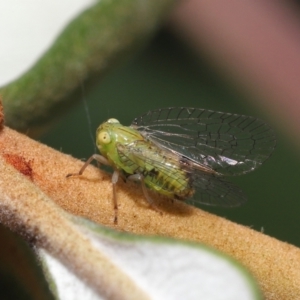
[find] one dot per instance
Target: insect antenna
(88, 115)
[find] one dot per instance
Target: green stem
(95, 41)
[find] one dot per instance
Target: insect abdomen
(171, 182)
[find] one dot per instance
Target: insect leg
(140, 178)
(101, 159)
(114, 180)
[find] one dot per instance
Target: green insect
(184, 153)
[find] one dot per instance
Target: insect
(184, 153)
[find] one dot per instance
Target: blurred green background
(166, 74)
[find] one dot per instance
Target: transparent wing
(214, 190)
(228, 143)
(210, 189)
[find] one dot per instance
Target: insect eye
(113, 121)
(104, 137)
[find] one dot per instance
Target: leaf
(163, 268)
(35, 206)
